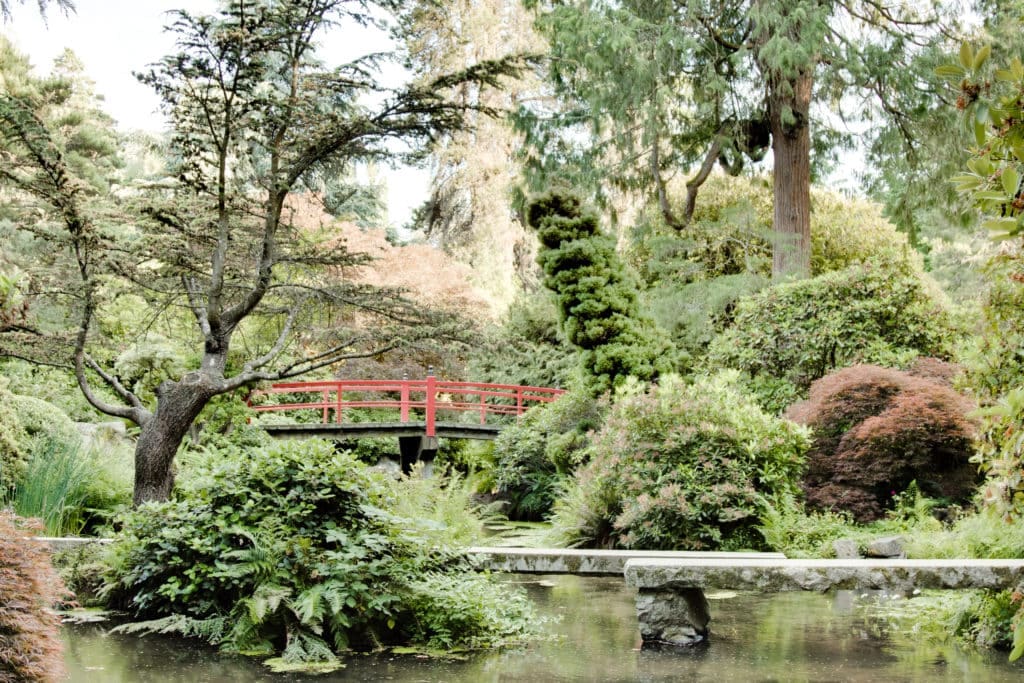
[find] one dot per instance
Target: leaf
(990, 196)
(982, 114)
(966, 55)
(952, 71)
(1017, 68)
(982, 55)
(1011, 181)
(1001, 225)
(979, 132)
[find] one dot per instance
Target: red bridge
(426, 409)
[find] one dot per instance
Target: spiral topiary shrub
(681, 467)
(597, 295)
(876, 430)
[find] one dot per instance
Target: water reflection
(792, 637)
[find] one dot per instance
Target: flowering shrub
(876, 430)
(681, 467)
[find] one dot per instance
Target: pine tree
(254, 115)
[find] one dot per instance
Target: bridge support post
(673, 615)
(416, 448)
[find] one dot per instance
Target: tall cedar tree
(255, 116)
(648, 88)
(597, 298)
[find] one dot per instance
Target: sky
(113, 38)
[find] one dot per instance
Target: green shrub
(681, 467)
(294, 549)
(994, 358)
(798, 332)
(696, 312)
(13, 454)
(876, 430)
(28, 425)
(527, 349)
(1001, 454)
(544, 447)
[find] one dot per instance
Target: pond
(755, 638)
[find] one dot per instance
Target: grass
(69, 487)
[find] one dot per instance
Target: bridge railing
(430, 396)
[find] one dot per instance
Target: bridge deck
(771, 575)
(350, 431)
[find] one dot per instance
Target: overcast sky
(113, 38)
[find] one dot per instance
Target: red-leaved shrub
(875, 431)
(30, 646)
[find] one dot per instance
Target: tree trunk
(178, 405)
(788, 108)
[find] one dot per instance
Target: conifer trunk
(178, 405)
(788, 111)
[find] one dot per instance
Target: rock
(672, 615)
(890, 546)
(846, 549)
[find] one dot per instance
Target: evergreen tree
(254, 114)
(65, 6)
(597, 297)
(656, 87)
(473, 171)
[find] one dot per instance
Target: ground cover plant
(876, 430)
(295, 552)
(679, 466)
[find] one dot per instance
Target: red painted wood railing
(429, 396)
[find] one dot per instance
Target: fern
(211, 630)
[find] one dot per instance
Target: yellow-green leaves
(1010, 180)
(972, 60)
(994, 113)
(966, 56)
(980, 56)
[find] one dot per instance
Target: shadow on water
(791, 637)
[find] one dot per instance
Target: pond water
(788, 637)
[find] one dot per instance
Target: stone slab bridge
(670, 602)
(671, 606)
(426, 410)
